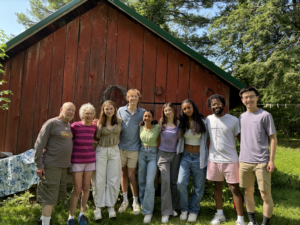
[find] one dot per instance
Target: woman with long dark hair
(149, 133)
(192, 136)
(106, 179)
(168, 161)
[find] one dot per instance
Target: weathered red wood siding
(79, 61)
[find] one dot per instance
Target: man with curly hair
(223, 158)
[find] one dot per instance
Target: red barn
(89, 45)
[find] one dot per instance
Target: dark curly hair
(216, 96)
(163, 119)
(198, 125)
(152, 113)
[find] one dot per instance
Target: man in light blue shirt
(129, 146)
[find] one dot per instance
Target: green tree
(187, 20)
(4, 101)
(259, 42)
(39, 10)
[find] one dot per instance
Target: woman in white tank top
(192, 136)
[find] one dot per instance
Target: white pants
(106, 179)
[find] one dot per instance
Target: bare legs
(237, 196)
(82, 181)
(129, 173)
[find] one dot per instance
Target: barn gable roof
(78, 7)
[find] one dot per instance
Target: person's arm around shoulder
(98, 132)
(237, 130)
(39, 146)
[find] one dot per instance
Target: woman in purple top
(83, 160)
(169, 162)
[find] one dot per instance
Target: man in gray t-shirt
(56, 137)
(257, 126)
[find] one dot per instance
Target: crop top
(108, 137)
(192, 139)
(150, 138)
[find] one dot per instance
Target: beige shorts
(53, 186)
(248, 172)
(129, 158)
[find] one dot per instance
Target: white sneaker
(218, 219)
(111, 212)
(165, 219)
(123, 207)
(137, 210)
(240, 223)
(147, 218)
(175, 214)
(250, 223)
(183, 215)
(192, 217)
(97, 214)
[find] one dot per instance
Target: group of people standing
(129, 138)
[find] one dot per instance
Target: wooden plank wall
(80, 60)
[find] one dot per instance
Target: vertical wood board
(83, 62)
(3, 113)
(223, 90)
(13, 116)
(28, 99)
(111, 48)
(172, 77)
(183, 79)
(43, 84)
(97, 58)
(70, 66)
(210, 83)
(149, 67)
(57, 73)
(122, 60)
(196, 86)
(161, 71)
(136, 57)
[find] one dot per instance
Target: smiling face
(67, 112)
(109, 110)
(88, 116)
(250, 99)
(132, 97)
(217, 106)
(187, 109)
(168, 112)
(147, 118)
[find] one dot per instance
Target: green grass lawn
(285, 191)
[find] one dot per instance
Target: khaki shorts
(53, 186)
(248, 172)
(129, 158)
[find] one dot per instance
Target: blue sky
(8, 19)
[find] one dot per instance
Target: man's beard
(218, 113)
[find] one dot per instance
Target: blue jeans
(147, 172)
(190, 164)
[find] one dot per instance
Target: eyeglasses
(249, 97)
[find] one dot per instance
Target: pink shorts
(83, 167)
(217, 172)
